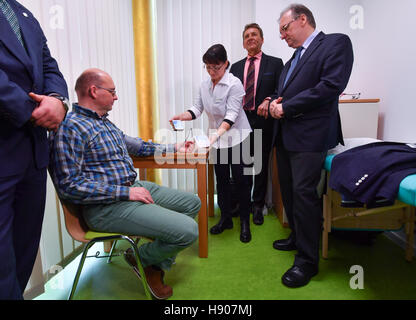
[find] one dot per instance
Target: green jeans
(169, 221)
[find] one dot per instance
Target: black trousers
(299, 176)
(260, 178)
(231, 159)
(259, 147)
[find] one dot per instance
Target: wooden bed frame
(389, 218)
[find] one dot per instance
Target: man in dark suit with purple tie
(259, 74)
(33, 99)
(307, 126)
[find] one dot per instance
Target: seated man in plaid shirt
(90, 165)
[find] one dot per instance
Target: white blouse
(223, 102)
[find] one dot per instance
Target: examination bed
(390, 218)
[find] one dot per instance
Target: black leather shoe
(288, 244)
(299, 276)
(258, 217)
(245, 234)
(221, 226)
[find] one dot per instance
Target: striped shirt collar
(87, 112)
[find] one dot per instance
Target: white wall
(383, 49)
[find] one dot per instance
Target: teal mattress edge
(407, 189)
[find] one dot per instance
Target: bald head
(88, 78)
(96, 91)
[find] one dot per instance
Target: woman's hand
(186, 116)
(177, 117)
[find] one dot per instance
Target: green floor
(238, 271)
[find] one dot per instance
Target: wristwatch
(268, 105)
(65, 101)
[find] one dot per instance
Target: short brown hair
(86, 79)
(253, 25)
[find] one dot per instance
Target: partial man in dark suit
(307, 126)
(33, 100)
(259, 74)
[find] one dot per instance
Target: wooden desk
(359, 100)
(188, 161)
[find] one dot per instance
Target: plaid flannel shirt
(89, 158)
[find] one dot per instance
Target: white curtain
(99, 33)
(184, 30)
(94, 33)
(83, 34)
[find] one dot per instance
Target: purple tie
(249, 99)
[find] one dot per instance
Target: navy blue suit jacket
(267, 83)
(22, 72)
(372, 171)
(311, 120)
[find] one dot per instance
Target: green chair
(79, 231)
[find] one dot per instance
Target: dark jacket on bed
(373, 172)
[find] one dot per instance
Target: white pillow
(352, 143)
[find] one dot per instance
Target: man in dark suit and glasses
(26, 66)
(259, 74)
(307, 126)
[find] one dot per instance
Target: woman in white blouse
(221, 98)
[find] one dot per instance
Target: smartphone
(177, 125)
